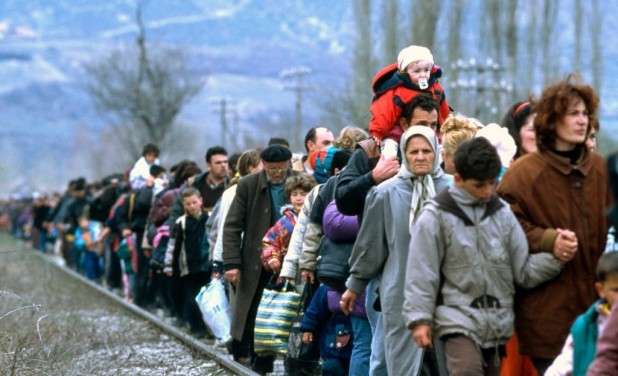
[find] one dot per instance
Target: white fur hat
(411, 54)
(500, 138)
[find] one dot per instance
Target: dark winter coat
(325, 323)
(135, 217)
(187, 242)
(248, 219)
(355, 180)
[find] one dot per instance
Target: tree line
(493, 54)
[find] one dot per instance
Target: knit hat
(411, 54)
(276, 153)
(320, 161)
(500, 138)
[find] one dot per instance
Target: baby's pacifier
(423, 84)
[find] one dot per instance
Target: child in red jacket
(394, 86)
(276, 241)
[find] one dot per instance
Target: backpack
(332, 266)
(159, 244)
(126, 252)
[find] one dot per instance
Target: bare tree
(391, 32)
(512, 39)
(493, 21)
(550, 13)
(454, 49)
(351, 104)
(577, 48)
(525, 74)
(424, 22)
(142, 89)
(596, 27)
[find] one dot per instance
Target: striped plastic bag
(278, 308)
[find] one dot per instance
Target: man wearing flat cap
(256, 207)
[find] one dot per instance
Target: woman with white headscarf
(381, 248)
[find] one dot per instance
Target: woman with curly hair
(349, 137)
(455, 130)
(559, 194)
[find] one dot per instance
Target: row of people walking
(454, 235)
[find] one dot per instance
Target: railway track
(202, 346)
(198, 349)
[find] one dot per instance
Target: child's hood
(388, 78)
(287, 208)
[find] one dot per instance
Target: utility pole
(221, 105)
(296, 76)
(234, 127)
(481, 87)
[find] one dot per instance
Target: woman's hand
(565, 245)
(348, 301)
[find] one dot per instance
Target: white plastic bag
(215, 309)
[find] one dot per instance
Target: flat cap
(276, 153)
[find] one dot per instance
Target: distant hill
(241, 48)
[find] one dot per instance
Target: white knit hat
(411, 54)
(500, 138)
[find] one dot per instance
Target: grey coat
(381, 249)
(248, 219)
(468, 255)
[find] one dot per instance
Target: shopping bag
(278, 307)
(301, 358)
(215, 309)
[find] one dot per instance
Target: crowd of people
(435, 244)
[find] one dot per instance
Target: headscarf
(422, 186)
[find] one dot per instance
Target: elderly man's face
(276, 172)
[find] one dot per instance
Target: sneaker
(222, 344)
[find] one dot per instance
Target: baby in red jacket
(394, 86)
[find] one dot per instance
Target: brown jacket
(545, 193)
(248, 219)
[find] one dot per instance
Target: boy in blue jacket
(580, 346)
(325, 321)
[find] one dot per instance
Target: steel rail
(210, 351)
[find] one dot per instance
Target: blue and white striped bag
(275, 314)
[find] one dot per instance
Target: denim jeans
(92, 264)
(361, 352)
(377, 362)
